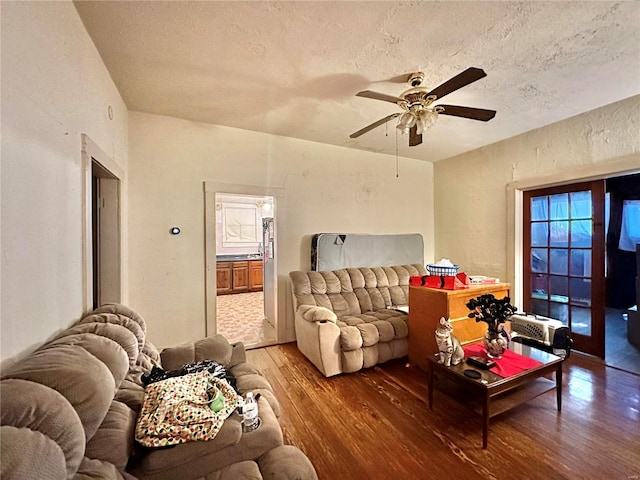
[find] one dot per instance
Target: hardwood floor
(375, 424)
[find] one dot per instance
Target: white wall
(474, 193)
(325, 189)
(54, 88)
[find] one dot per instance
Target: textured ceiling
(293, 68)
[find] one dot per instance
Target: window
(630, 231)
(240, 226)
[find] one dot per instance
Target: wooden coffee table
(492, 394)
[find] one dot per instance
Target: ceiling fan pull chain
(397, 174)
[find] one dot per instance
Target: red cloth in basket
(448, 282)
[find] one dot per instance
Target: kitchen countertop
(238, 258)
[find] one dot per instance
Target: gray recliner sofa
(69, 409)
(352, 318)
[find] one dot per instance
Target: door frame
(626, 165)
(109, 171)
(210, 190)
(594, 343)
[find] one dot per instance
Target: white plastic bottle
(250, 412)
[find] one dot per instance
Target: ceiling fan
(418, 112)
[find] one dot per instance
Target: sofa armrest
(319, 340)
(238, 355)
(313, 313)
(286, 463)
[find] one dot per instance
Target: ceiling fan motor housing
(416, 79)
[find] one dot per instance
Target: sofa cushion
(80, 377)
(133, 325)
(369, 328)
(286, 463)
(113, 442)
(352, 360)
(119, 309)
(369, 334)
(118, 334)
(352, 291)
(193, 460)
(215, 347)
(93, 469)
(385, 329)
(247, 470)
(46, 424)
(131, 394)
(109, 352)
(350, 338)
(16, 465)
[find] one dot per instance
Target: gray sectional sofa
(69, 409)
(352, 318)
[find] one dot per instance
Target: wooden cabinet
(255, 275)
(223, 278)
(238, 276)
(427, 305)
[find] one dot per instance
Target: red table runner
(510, 364)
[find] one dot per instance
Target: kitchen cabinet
(255, 275)
(240, 272)
(427, 305)
(223, 278)
(239, 276)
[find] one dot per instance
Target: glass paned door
(564, 259)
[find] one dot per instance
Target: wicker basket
(440, 270)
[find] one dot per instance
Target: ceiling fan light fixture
(426, 120)
(406, 121)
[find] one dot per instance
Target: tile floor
(240, 318)
(619, 352)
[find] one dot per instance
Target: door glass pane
(539, 260)
(540, 307)
(581, 291)
(539, 286)
(559, 234)
(539, 234)
(581, 320)
(581, 204)
(559, 311)
(581, 233)
(580, 263)
(559, 289)
(559, 206)
(539, 208)
(559, 261)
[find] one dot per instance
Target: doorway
(579, 265)
(244, 259)
(622, 323)
(102, 227)
(564, 259)
(105, 227)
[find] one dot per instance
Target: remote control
(481, 362)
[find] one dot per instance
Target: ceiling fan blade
(467, 112)
(373, 125)
(414, 138)
(378, 96)
(404, 78)
(463, 79)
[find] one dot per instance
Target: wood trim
(90, 152)
(595, 343)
